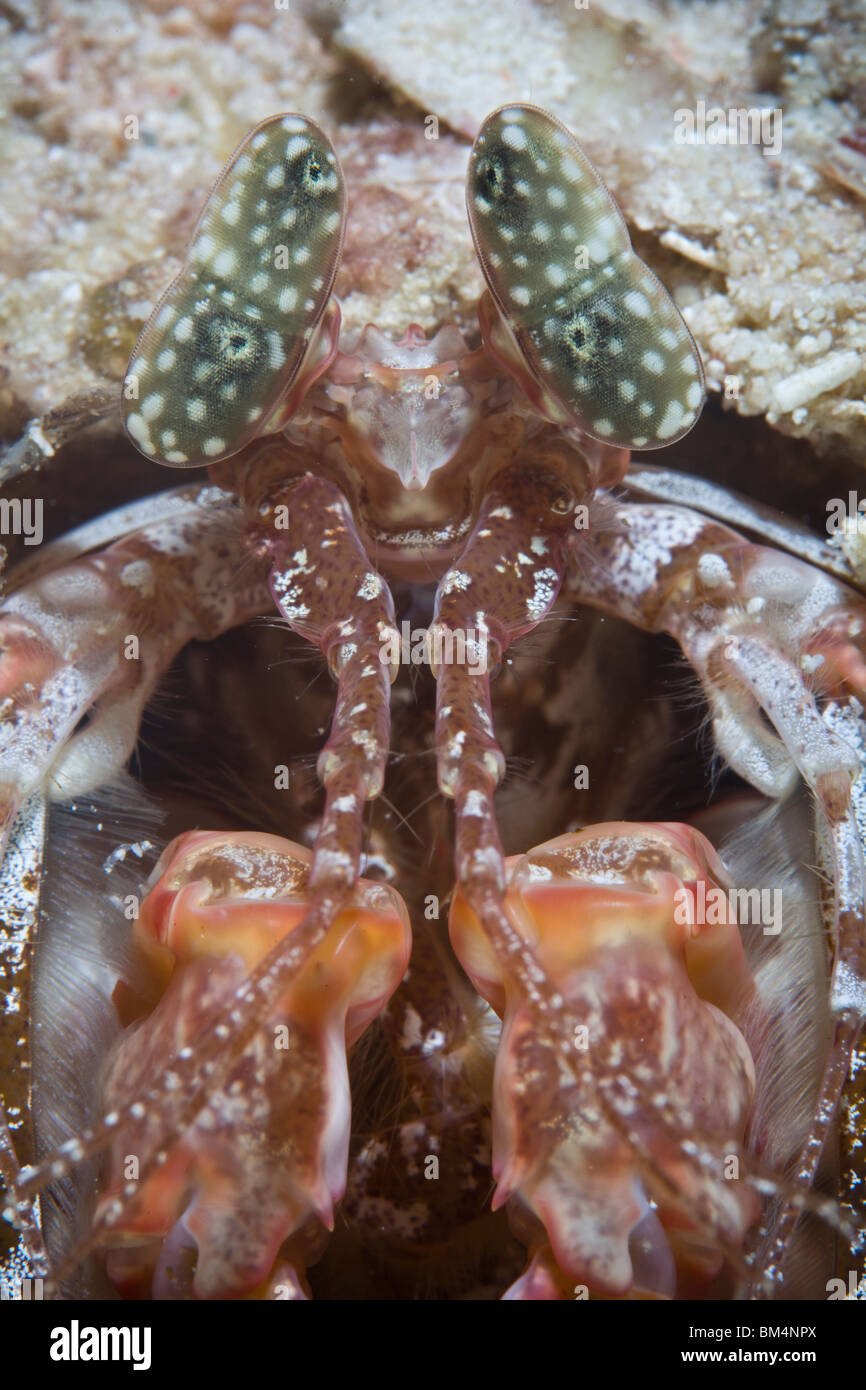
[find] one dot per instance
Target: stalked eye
(222, 348)
(589, 326)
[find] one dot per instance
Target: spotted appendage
(221, 350)
(599, 333)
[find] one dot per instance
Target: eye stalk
(247, 325)
(589, 331)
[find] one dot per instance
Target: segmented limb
(265, 1160)
(505, 582)
(324, 585)
(648, 480)
(92, 639)
(616, 1174)
(768, 636)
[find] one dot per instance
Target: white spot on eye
(183, 329)
(541, 231)
(274, 176)
(165, 316)
(687, 363)
(287, 299)
(494, 258)
(571, 169)
(646, 408)
(204, 247)
(614, 346)
(276, 356)
(309, 305)
(522, 187)
(555, 275)
(138, 429)
(254, 414)
(259, 282)
(195, 409)
(693, 395)
(556, 197)
(297, 146)
(201, 306)
(166, 359)
(168, 438)
(259, 235)
(520, 260)
(603, 426)
(668, 338)
(228, 296)
(627, 390)
(175, 456)
(243, 165)
(229, 390)
(212, 446)
(521, 295)
(654, 362)
(637, 304)
(507, 233)
(598, 249)
(225, 262)
(289, 217)
(671, 421)
(292, 124)
(152, 406)
(481, 203)
(231, 213)
(331, 222)
(258, 140)
(302, 255)
(639, 441)
(514, 137)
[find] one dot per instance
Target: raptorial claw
(620, 1169)
(265, 1160)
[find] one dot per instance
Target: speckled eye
(597, 331)
(223, 346)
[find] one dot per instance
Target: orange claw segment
(635, 1144)
(266, 1159)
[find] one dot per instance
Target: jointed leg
(778, 647)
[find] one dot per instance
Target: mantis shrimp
(664, 1079)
